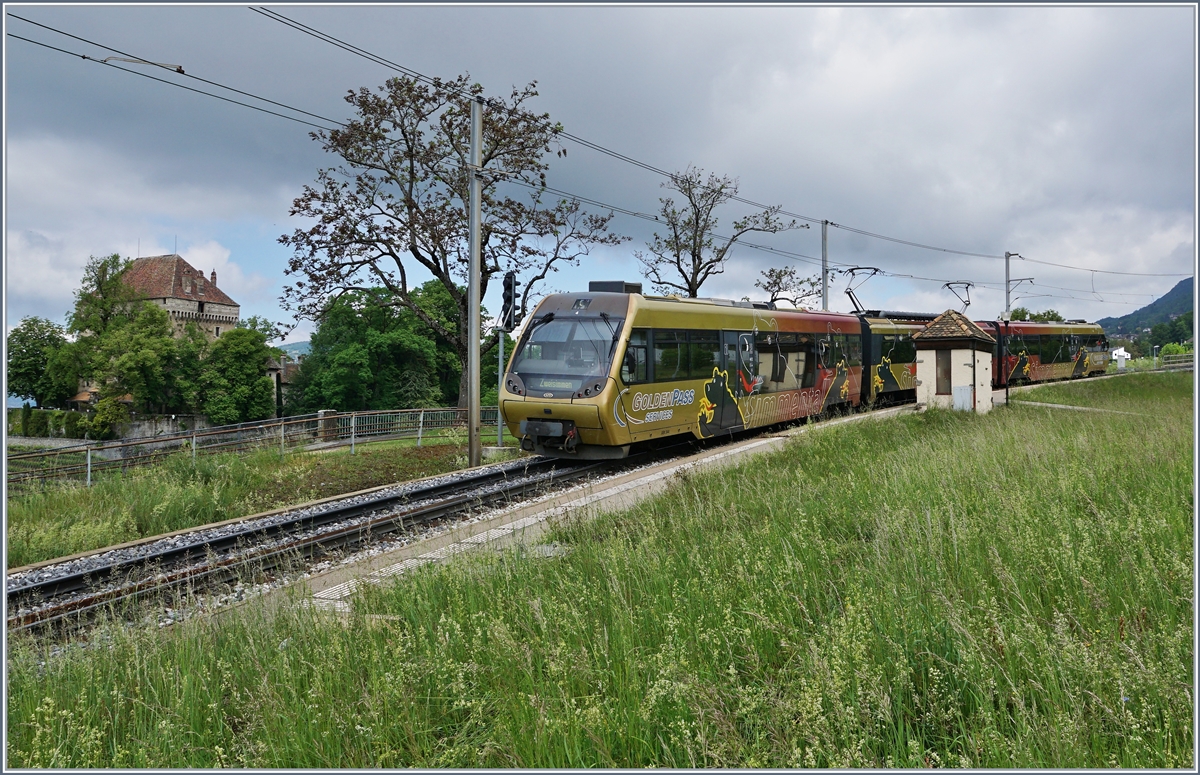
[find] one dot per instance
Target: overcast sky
(1065, 134)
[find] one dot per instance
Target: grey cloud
(1065, 133)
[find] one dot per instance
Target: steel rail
(269, 557)
(73, 582)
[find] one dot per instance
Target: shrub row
(43, 423)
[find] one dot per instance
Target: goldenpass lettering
(668, 398)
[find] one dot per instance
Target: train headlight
(514, 384)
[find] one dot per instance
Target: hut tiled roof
(162, 277)
(953, 325)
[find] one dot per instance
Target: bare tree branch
(688, 255)
(397, 201)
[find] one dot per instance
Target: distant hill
(1177, 301)
(295, 349)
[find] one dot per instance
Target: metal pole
(1004, 361)
(499, 385)
(1007, 285)
(474, 449)
(824, 266)
(89, 461)
(281, 447)
(420, 426)
(353, 417)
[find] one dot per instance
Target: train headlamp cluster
(515, 385)
(591, 390)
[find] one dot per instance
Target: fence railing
(84, 462)
(1179, 361)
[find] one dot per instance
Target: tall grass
(1153, 393)
(177, 494)
(1012, 590)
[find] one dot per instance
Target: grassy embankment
(60, 520)
(1012, 590)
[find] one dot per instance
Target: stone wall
(162, 425)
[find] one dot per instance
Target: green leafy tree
(138, 358)
(235, 387)
(369, 355)
(32, 346)
(102, 298)
(1020, 313)
(396, 203)
(1048, 316)
(271, 331)
(1160, 334)
(106, 419)
(1181, 328)
(187, 389)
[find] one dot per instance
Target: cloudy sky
(1067, 135)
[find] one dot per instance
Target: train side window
(905, 351)
(1052, 349)
(806, 361)
(634, 366)
(670, 348)
(825, 356)
(704, 353)
(853, 350)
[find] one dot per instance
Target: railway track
(68, 594)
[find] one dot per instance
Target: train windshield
(558, 354)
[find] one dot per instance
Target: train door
(722, 392)
(741, 361)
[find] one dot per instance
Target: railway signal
(508, 310)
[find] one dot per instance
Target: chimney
(213, 278)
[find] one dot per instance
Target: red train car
(1036, 352)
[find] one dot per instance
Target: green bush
(72, 426)
(107, 420)
(14, 422)
(55, 421)
(26, 413)
(38, 424)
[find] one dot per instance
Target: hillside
(1176, 302)
(295, 349)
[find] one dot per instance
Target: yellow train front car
(597, 372)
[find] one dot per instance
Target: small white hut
(954, 364)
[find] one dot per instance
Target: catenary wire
(179, 72)
(360, 52)
(163, 80)
(415, 74)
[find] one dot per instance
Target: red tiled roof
(953, 325)
(162, 277)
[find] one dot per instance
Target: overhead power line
(358, 51)
(1107, 271)
(415, 74)
(135, 60)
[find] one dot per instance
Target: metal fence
(1180, 362)
(85, 461)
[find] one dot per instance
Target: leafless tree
(691, 251)
(787, 285)
(397, 202)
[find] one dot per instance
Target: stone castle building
(189, 297)
(184, 292)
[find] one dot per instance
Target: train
(594, 374)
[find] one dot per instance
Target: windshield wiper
(540, 321)
(616, 333)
